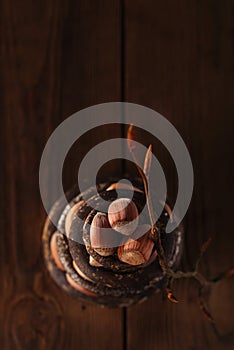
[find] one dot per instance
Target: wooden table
(58, 57)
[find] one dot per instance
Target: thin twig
(203, 306)
(223, 275)
(154, 230)
(203, 249)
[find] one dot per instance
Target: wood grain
(179, 62)
(56, 58)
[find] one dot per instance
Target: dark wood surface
(59, 57)
(179, 62)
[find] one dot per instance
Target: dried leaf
(147, 163)
(130, 138)
(172, 298)
(205, 245)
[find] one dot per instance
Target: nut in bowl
(112, 268)
(111, 252)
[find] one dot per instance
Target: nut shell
(123, 216)
(136, 252)
(102, 237)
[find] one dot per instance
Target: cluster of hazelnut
(110, 255)
(121, 219)
(107, 257)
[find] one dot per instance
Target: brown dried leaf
(206, 245)
(172, 298)
(147, 163)
(130, 138)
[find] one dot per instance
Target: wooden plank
(56, 58)
(179, 62)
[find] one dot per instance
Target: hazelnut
(102, 237)
(123, 216)
(137, 252)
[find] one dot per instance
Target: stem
(154, 230)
